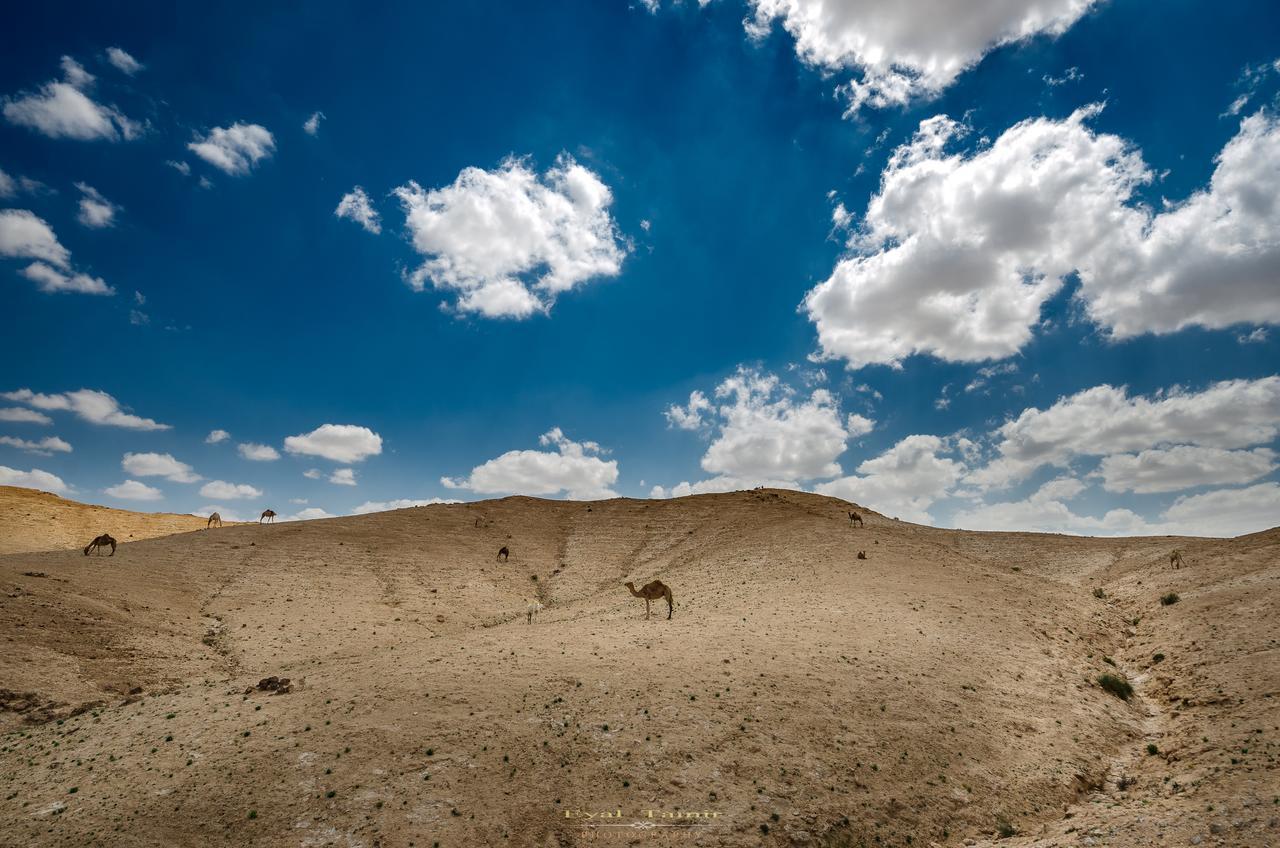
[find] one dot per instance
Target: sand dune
(943, 690)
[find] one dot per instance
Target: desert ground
(942, 691)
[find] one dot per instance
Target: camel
(1175, 558)
(504, 554)
(653, 591)
(99, 543)
(532, 608)
(269, 515)
(214, 519)
(854, 517)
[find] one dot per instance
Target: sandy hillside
(942, 690)
(31, 520)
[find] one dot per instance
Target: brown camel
(267, 514)
(99, 543)
(214, 519)
(504, 554)
(652, 592)
(854, 517)
(1175, 558)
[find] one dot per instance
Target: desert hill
(942, 690)
(31, 520)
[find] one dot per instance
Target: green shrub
(1170, 599)
(1116, 685)
(1098, 593)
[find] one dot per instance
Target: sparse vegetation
(1157, 658)
(1099, 593)
(1116, 685)
(1170, 599)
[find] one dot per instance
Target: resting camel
(214, 519)
(504, 554)
(532, 608)
(1175, 558)
(99, 543)
(854, 517)
(652, 592)
(267, 514)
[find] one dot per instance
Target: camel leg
(646, 609)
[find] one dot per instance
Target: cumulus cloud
(355, 205)
(123, 61)
(401, 503)
(181, 167)
(216, 436)
(256, 452)
(957, 253)
(222, 490)
(904, 481)
(51, 281)
(33, 479)
(96, 211)
(17, 414)
(907, 50)
(64, 109)
(509, 241)
(1184, 467)
(227, 514)
(764, 433)
(309, 514)
(92, 406)
(159, 465)
(338, 442)
(1226, 512)
(132, 490)
(24, 235)
(343, 477)
(312, 125)
(313, 474)
(1105, 420)
(574, 468)
(44, 447)
(1046, 511)
(235, 149)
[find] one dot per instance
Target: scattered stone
(274, 685)
(34, 574)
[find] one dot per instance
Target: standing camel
(854, 517)
(504, 554)
(1175, 558)
(532, 607)
(214, 519)
(269, 515)
(652, 592)
(99, 543)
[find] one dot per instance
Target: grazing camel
(99, 543)
(532, 608)
(269, 515)
(504, 554)
(652, 592)
(1175, 558)
(854, 517)
(214, 519)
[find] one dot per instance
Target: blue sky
(1017, 269)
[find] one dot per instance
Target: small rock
(1216, 828)
(1197, 839)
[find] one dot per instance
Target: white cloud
(508, 241)
(8, 188)
(573, 467)
(355, 205)
(1226, 512)
(132, 490)
(1258, 336)
(159, 465)
(402, 503)
(957, 253)
(343, 477)
(907, 50)
(313, 474)
(139, 318)
(1184, 467)
(123, 61)
(222, 490)
(181, 167)
(765, 433)
(33, 479)
(1104, 420)
(216, 436)
(24, 235)
(312, 125)
(309, 514)
(93, 406)
(52, 281)
(235, 149)
(44, 447)
(902, 482)
(723, 483)
(96, 211)
(62, 109)
(25, 416)
(258, 453)
(1046, 511)
(227, 514)
(339, 442)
